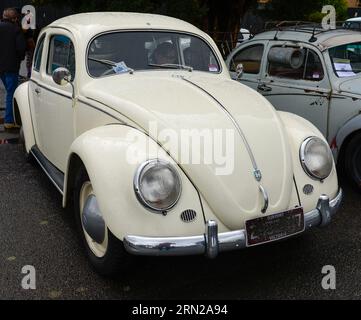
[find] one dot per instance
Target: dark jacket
(12, 47)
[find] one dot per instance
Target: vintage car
(112, 100)
(315, 74)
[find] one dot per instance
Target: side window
(250, 57)
(38, 54)
(61, 54)
(311, 69)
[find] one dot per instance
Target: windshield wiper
(103, 61)
(171, 66)
(111, 64)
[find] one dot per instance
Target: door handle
(37, 91)
(264, 88)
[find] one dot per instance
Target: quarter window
(311, 69)
(250, 57)
(61, 54)
(38, 54)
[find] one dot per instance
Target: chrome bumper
(212, 242)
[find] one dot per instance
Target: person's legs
(2, 78)
(10, 81)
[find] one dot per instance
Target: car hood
(177, 104)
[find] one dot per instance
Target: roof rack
(299, 26)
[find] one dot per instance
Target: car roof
(96, 22)
(323, 39)
(354, 19)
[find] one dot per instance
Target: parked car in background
(315, 74)
(353, 23)
(109, 90)
(243, 36)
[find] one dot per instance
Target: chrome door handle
(264, 88)
(37, 91)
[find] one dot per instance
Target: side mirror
(62, 76)
(239, 71)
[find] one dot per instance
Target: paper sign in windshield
(120, 67)
(343, 68)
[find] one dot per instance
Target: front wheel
(352, 161)
(108, 256)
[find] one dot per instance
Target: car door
(250, 56)
(304, 91)
(55, 129)
(34, 88)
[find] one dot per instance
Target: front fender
(348, 128)
(21, 108)
(298, 130)
(111, 156)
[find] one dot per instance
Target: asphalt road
(36, 231)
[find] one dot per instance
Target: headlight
(316, 158)
(157, 185)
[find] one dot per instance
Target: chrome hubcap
(99, 249)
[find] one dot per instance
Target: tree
(214, 16)
(340, 6)
(305, 10)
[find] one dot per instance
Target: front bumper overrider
(212, 242)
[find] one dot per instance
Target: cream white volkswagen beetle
(112, 93)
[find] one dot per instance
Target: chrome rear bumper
(212, 242)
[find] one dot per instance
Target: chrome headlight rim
(303, 158)
(137, 188)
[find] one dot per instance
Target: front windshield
(122, 52)
(346, 59)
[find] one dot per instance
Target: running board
(53, 173)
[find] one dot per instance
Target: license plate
(275, 227)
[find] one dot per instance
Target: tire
(352, 161)
(107, 259)
(27, 155)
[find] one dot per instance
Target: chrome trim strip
(100, 110)
(211, 243)
(51, 90)
(235, 123)
(266, 199)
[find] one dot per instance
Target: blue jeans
(10, 81)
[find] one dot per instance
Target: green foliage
(214, 16)
(191, 10)
(340, 6)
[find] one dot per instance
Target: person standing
(13, 46)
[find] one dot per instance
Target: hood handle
(265, 197)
